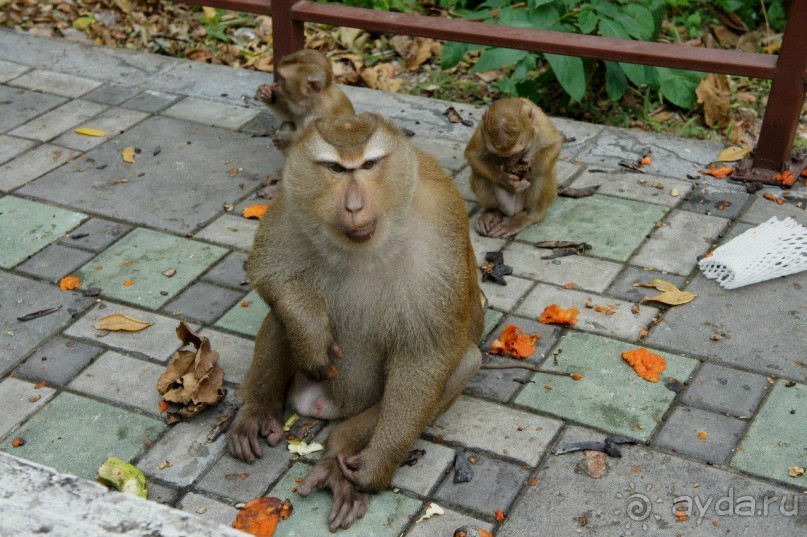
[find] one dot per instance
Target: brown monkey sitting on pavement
(366, 262)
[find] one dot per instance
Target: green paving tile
(386, 515)
(492, 318)
(141, 257)
(26, 227)
(614, 227)
(777, 439)
(610, 396)
(245, 320)
(75, 435)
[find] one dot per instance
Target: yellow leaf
(672, 298)
(90, 132)
(128, 154)
(661, 285)
(210, 12)
(82, 23)
(124, 5)
(734, 153)
(120, 322)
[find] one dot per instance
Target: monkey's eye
(335, 167)
(369, 164)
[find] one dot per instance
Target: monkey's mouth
(362, 234)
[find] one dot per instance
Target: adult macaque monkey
(366, 262)
(303, 90)
(512, 156)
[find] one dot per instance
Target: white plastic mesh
(772, 249)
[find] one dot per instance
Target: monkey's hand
(282, 139)
(353, 468)
(487, 221)
(521, 185)
(266, 93)
(320, 366)
(510, 226)
(243, 437)
(348, 503)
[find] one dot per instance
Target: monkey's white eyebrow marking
(374, 153)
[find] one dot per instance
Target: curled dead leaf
(734, 153)
(714, 94)
(382, 77)
(90, 132)
(128, 154)
(118, 322)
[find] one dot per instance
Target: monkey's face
(352, 177)
(507, 129)
(298, 82)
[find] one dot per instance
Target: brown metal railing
(788, 70)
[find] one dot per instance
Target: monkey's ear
(528, 112)
(314, 84)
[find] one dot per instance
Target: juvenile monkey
(303, 90)
(512, 154)
(367, 265)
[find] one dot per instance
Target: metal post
(288, 35)
(787, 94)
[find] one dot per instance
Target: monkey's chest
(510, 203)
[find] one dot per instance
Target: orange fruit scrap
(804, 172)
(128, 283)
(703, 436)
(718, 173)
(576, 376)
(261, 515)
(785, 178)
(771, 197)
(163, 406)
(681, 515)
(69, 282)
(499, 515)
(514, 342)
(647, 365)
(553, 314)
(646, 161)
(17, 442)
(255, 211)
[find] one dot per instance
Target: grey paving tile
(230, 272)
(245, 317)
(209, 509)
(113, 121)
(235, 231)
(635, 186)
(53, 82)
(726, 201)
(445, 524)
(123, 380)
(58, 361)
(481, 245)
(10, 70)
(54, 262)
(55, 122)
(587, 272)
(504, 297)
(18, 105)
(34, 163)
(642, 477)
(482, 425)
(566, 170)
(498, 384)
(725, 390)
(162, 494)
(21, 296)
(623, 323)
(111, 93)
(675, 246)
(623, 288)
(158, 341)
(448, 152)
(203, 302)
(162, 187)
(151, 101)
(582, 133)
(10, 147)
(214, 82)
(100, 234)
(430, 467)
(681, 431)
(494, 486)
(762, 210)
(242, 482)
(771, 348)
(210, 113)
(264, 124)
(235, 353)
(19, 399)
(462, 181)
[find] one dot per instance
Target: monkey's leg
(264, 390)
(512, 225)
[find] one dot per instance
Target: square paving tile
(53, 82)
(587, 272)
(163, 190)
(151, 101)
(58, 361)
(10, 70)
(235, 353)
(158, 341)
(18, 105)
(635, 186)
(100, 234)
(122, 380)
(775, 439)
(32, 164)
(681, 431)
(708, 199)
(141, 257)
(725, 390)
(111, 94)
(744, 319)
(211, 113)
(242, 482)
(492, 318)
(54, 262)
(10, 147)
(449, 153)
(623, 288)
(20, 296)
(505, 297)
(498, 384)
(675, 246)
(463, 183)
(613, 227)
(230, 272)
(75, 435)
(245, 320)
(623, 323)
(565, 170)
(610, 395)
(762, 210)
(421, 477)
(263, 124)
(445, 524)
(27, 226)
(577, 134)
(203, 302)
(481, 245)
(55, 122)
(505, 431)
(209, 509)
(235, 231)
(387, 513)
(15, 400)
(113, 121)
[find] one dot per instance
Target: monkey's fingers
(272, 430)
(349, 466)
(521, 185)
(316, 478)
(335, 352)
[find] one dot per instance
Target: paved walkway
(70, 205)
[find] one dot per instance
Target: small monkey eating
(512, 155)
(366, 262)
(303, 90)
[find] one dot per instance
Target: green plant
(623, 19)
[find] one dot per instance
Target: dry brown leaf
(118, 322)
(660, 285)
(596, 464)
(672, 298)
(128, 154)
(382, 77)
(192, 378)
(715, 95)
(734, 153)
(415, 50)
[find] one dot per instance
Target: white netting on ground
(772, 249)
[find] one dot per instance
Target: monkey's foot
(349, 504)
(487, 221)
(508, 227)
(243, 439)
(266, 93)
